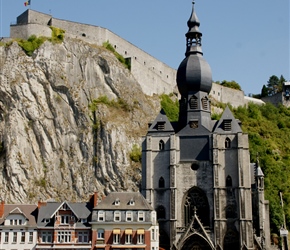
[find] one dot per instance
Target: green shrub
(125, 61)
(31, 44)
(170, 107)
(136, 153)
(57, 35)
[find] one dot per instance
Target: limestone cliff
(53, 143)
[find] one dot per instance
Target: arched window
(196, 202)
(231, 240)
(229, 182)
(160, 212)
(231, 211)
(161, 145)
(193, 102)
(161, 183)
(227, 143)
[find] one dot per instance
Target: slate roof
(108, 203)
(28, 211)
(161, 117)
(235, 126)
(81, 210)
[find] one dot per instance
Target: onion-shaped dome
(194, 73)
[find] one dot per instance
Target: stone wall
(153, 76)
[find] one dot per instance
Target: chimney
(94, 199)
(41, 203)
(2, 203)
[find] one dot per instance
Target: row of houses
(121, 220)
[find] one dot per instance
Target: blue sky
(246, 41)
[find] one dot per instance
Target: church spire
(193, 36)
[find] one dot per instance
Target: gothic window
(196, 202)
(229, 182)
(231, 211)
(161, 145)
(227, 125)
(161, 183)
(160, 212)
(193, 102)
(204, 102)
(231, 240)
(227, 143)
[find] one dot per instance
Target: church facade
(196, 173)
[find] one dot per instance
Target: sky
(246, 41)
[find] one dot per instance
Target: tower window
(161, 145)
(229, 182)
(160, 212)
(160, 125)
(204, 102)
(193, 102)
(227, 143)
(193, 124)
(161, 183)
(227, 125)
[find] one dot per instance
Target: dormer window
(101, 216)
(193, 102)
(227, 125)
(46, 220)
(160, 125)
(131, 202)
(117, 202)
(117, 216)
(129, 216)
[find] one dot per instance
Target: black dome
(194, 74)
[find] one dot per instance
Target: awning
(128, 231)
(116, 231)
(140, 231)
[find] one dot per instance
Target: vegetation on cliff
(269, 137)
(268, 128)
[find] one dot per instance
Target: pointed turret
(194, 79)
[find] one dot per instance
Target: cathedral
(196, 173)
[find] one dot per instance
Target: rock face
(54, 142)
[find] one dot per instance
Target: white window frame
(152, 234)
(141, 216)
(128, 238)
(30, 237)
(140, 238)
(101, 234)
(117, 216)
(6, 237)
(14, 237)
(23, 237)
(129, 216)
(64, 219)
(64, 236)
(116, 238)
(101, 216)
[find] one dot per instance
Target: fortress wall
(154, 76)
(227, 95)
(26, 30)
(275, 99)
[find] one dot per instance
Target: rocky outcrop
(54, 142)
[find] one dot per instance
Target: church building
(196, 173)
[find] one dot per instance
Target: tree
(231, 84)
(273, 85)
(264, 91)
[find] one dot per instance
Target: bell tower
(196, 172)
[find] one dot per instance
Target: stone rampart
(154, 76)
